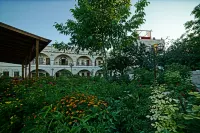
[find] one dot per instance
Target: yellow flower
(70, 123)
(8, 102)
(91, 103)
(95, 105)
(76, 100)
(62, 100)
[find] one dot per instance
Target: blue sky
(163, 17)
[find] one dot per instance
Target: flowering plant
(79, 105)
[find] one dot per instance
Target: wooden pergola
(20, 47)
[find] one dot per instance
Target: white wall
(54, 55)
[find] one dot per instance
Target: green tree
(186, 49)
(139, 54)
(102, 24)
(118, 63)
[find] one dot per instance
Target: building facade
(53, 62)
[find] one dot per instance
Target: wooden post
(29, 65)
(37, 53)
(23, 71)
(29, 70)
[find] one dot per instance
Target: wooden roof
(18, 46)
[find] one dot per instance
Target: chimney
(154, 38)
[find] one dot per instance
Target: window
(83, 74)
(88, 62)
(82, 62)
(6, 73)
(16, 74)
(88, 74)
(40, 61)
(99, 62)
(63, 61)
(47, 61)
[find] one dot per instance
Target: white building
(53, 62)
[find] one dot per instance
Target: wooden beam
(9, 36)
(36, 58)
(22, 71)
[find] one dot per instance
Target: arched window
(63, 61)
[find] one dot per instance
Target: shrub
(74, 113)
(164, 110)
(133, 105)
(143, 76)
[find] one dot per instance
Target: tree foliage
(131, 56)
(186, 49)
(118, 63)
(98, 24)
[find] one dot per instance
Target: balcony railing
(84, 64)
(60, 63)
(41, 63)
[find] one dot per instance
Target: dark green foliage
(143, 76)
(139, 55)
(30, 109)
(134, 107)
(118, 63)
(183, 70)
(186, 49)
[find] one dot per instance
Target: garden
(97, 105)
(159, 98)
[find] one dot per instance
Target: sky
(165, 18)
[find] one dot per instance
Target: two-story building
(53, 62)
